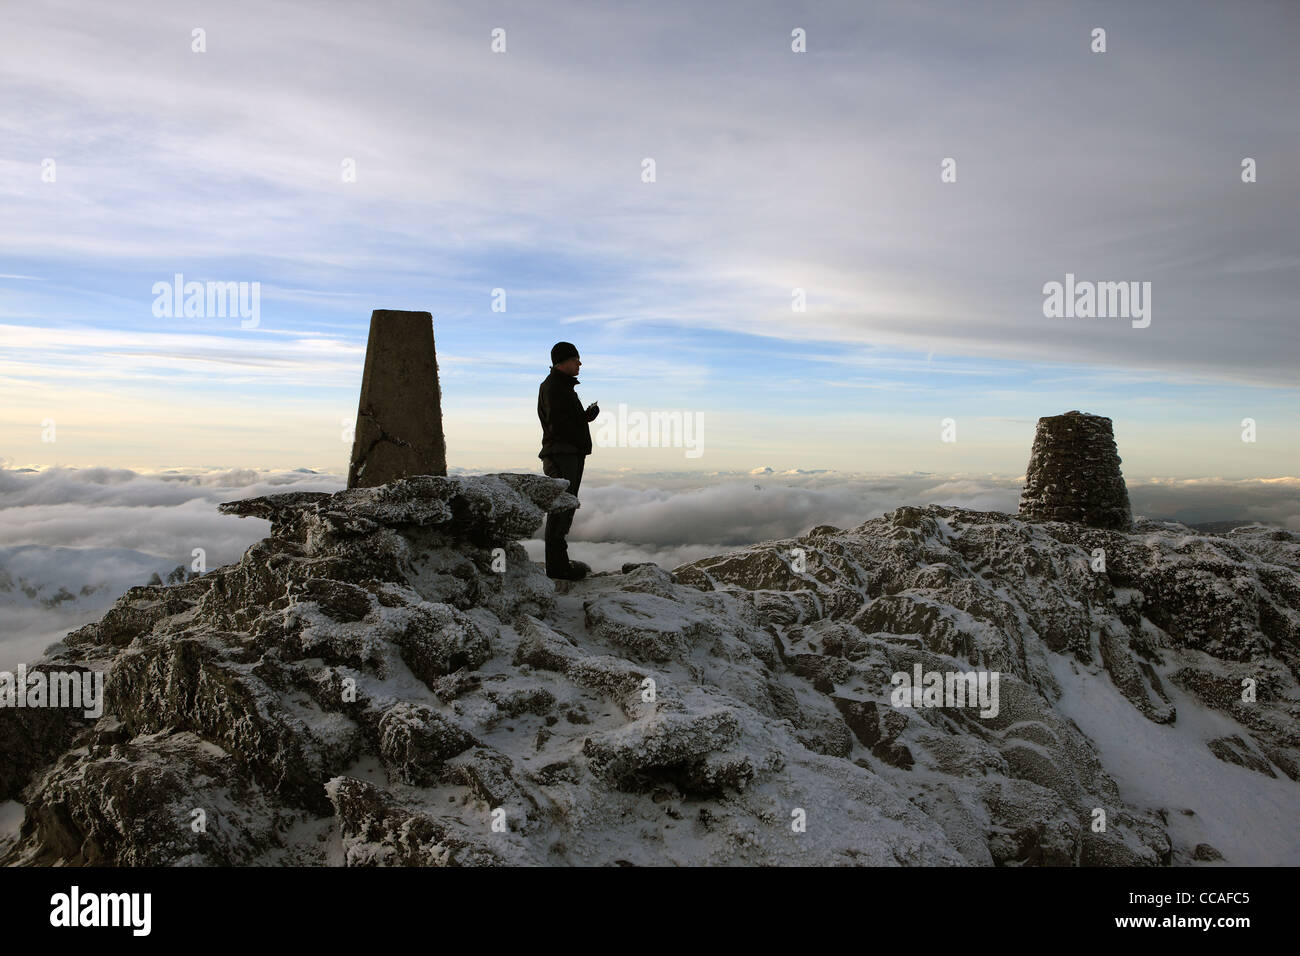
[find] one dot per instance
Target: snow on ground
(1249, 818)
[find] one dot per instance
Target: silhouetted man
(566, 443)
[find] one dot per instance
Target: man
(566, 443)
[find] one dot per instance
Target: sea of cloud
(78, 528)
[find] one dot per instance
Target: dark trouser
(558, 523)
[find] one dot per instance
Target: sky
(127, 157)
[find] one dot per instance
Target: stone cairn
(1074, 474)
(399, 418)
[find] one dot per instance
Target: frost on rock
(388, 680)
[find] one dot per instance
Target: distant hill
(1218, 527)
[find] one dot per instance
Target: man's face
(570, 366)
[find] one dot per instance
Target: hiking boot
(576, 571)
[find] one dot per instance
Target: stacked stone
(1074, 474)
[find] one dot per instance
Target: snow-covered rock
(387, 679)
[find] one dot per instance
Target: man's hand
(593, 409)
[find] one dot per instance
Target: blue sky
(774, 170)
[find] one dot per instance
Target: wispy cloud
(775, 171)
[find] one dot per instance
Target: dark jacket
(564, 420)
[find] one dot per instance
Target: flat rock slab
(399, 418)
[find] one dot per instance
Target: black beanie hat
(561, 351)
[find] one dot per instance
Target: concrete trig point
(399, 418)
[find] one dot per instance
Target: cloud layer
(73, 528)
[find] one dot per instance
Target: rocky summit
(387, 679)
